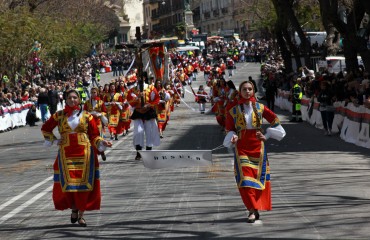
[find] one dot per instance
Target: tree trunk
(287, 8)
(286, 54)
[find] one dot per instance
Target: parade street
(320, 185)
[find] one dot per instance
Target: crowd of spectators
(242, 51)
(348, 87)
(50, 89)
(57, 82)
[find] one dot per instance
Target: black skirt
(150, 114)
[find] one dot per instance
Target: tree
(65, 28)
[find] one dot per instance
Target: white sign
(157, 159)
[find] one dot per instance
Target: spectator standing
(53, 99)
(120, 67)
(114, 66)
(43, 103)
(271, 93)
(325, 98)
(297, 95)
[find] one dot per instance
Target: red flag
(157, 59)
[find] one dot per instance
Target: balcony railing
(216, 13)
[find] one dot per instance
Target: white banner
(157, 159)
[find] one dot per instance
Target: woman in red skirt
(76, 168)
(252, 171)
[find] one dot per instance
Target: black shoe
(124, 134)
(82, 222)
(103, 157)
(161, 136)
(116, 137)
(252, 217)
(111, 137)
(138, 156)
(257, 215)
(74, 219)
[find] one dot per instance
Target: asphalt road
(320, 186)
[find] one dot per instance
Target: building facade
(130, 14)
(166, 18)
(218, 17)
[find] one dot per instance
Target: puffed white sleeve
(50, 143)
(276, 132)
(101, 147)
(227, 141)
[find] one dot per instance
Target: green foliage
(261, 16)
(308, 15)
(61, 39)
(180, 29)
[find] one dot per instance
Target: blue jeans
(44, 111)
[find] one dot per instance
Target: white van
(336, 64)
(313, 37)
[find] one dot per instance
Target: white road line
(24, 205)
(24, 193)
(32, 200)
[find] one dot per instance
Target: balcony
(224, 10)
(216, 13)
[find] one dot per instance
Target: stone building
(130, 13)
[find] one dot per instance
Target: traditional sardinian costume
(162, 108)
(124, 121)
(145, 124)
(97, 106)
(76, 168)
(251, 166)
(113, 110)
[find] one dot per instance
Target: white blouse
(277, 133)
(73, 122)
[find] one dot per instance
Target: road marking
(24, 205)
(32, 200)
(24, 193)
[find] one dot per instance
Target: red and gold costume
(97, 106)
(125, 121)
(112, 102)
(177, 89)
(144, 118)
(151, 96)
(76, 168)
(251, 166)
(162, 109)
(220, 93)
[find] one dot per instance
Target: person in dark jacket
(325, 98)
(31, 117)
(271, 93)
(43, 103)
(53, 99)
